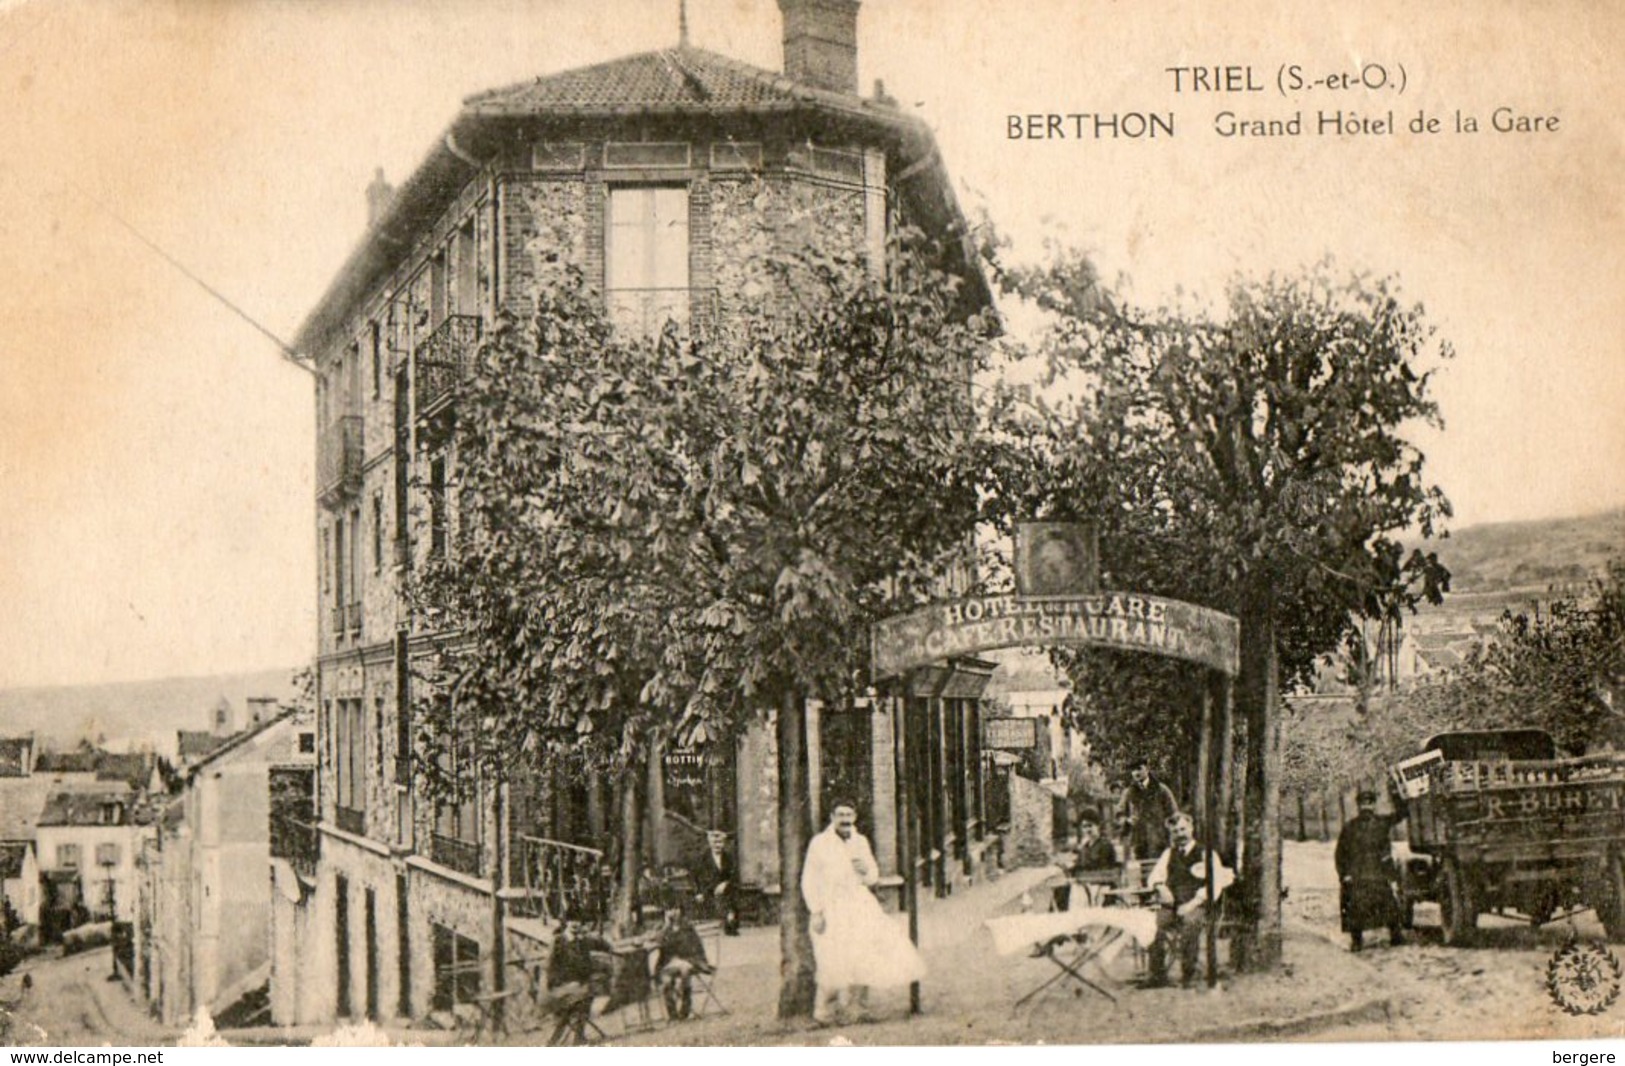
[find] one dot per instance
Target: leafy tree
(1251, 457)
(1562, 669)
(675, 538)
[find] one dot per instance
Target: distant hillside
(1508, 556)
(133, 713)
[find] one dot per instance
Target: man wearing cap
(1144, 810)
(1179, 880)
(714, 886)
(1366, 874)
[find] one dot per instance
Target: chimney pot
(379, 194)
(821, 43)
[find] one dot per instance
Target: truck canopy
(1492, 745)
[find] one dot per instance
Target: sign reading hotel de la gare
(1057, 603)
(1124, 621)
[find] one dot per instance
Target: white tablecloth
(1018, 933)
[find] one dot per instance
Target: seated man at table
(1179, 880)
(1095, 861)
(574, 979)
(680, 955)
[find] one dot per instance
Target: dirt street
(73, 1004)
(1496, 989)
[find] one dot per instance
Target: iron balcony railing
(444, 358)
(456, 854)
(338, 460)
(563, 881)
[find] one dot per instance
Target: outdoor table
(1073, 940)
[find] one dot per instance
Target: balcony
(297, 842)
(454, 854)
(338, 461)
(443, 360)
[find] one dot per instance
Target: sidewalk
(967, 996)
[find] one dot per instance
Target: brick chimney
(821, 43)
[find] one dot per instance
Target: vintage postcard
(874, 522)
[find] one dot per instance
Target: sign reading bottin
(1125, 621)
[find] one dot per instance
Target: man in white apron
(855, 943)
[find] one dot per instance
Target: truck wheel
(1610, 902)
(1458, 909)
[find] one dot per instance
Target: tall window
(437, 507)
(437, 289)
(67, 856)
(352, 597)
(457, 816)
(465, 293)
(378, 532)
(646, 257)
(327, 559)
(350, 763)
(377, 360)
(341, 549)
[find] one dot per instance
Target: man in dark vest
(1180, 882)
(1144, 810)
(1366, 874)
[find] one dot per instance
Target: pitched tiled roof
(74, 807)
(681, 81)
(672, 80)
(133, 768)
(194, 744)
(12, 854)
(66, 762)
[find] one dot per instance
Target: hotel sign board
(1010, 734)
(1124, 621)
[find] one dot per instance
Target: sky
(156, 455)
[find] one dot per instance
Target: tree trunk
(1226, 743)
(1261, 867)
(1204, 767)
(629, 798)
(796, 973)
(655, 800)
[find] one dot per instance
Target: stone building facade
(664, 178)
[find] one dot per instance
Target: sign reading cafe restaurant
(1118, 620)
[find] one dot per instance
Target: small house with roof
(202, 934)
(19, 885)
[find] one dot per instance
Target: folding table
(1072, 941)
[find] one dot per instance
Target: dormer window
(112, 813)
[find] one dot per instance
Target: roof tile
(670, 80)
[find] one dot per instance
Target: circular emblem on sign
(1583, 977)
